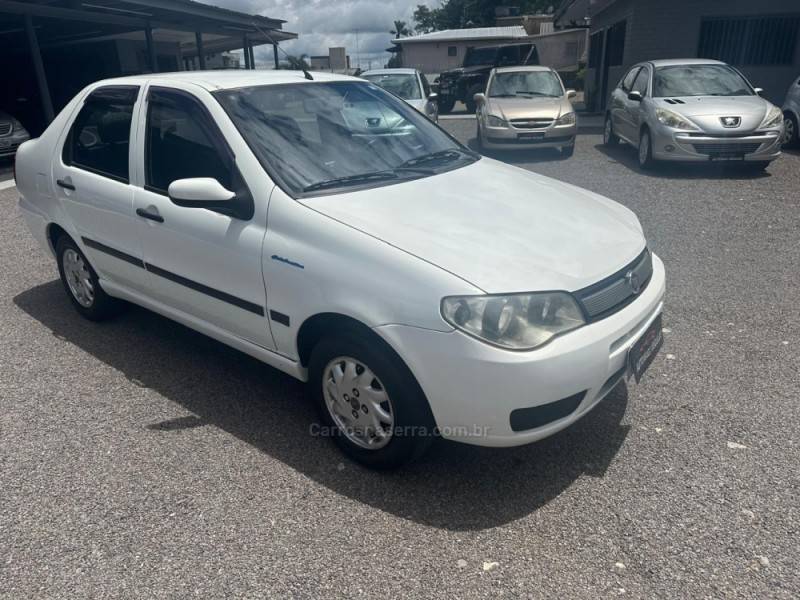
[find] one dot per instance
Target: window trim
(66, 149)
(243, 206)
(646, 71)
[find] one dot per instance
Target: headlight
(774, 118)
(16, 125)
(566, 119)
(516, 321)
(493, 121)
(671, 119)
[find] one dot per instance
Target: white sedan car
(328, 229)
(410, 85)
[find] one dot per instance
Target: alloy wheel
(644, 148)
(79, 279)
(358, 403)
(788, 131)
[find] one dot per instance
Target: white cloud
(324, 24)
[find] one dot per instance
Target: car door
(91, 176)
(634, 108)
(203, 262)
(620, 116)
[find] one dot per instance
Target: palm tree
(401, 29)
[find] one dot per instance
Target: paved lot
(139, 459)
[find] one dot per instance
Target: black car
(470, 78)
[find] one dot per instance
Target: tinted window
(426, 87)
(100, 136)
(640, 83)
(480, 56)
(508, 55)
(628, 81)
(183, 142)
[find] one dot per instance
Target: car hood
(527, 108)
(419, 104)
(707, 110)
(496, 226)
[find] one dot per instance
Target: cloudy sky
(327, 23)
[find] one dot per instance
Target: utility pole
(358, 55)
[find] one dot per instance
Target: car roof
(397, 71)
(522, 68)
(228, 79)
(673, 62)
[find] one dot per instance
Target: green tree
(457, 14)
(401, 29)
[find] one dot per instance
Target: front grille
(5, 128)
(613, 293)
(531, 123)
(726, 149)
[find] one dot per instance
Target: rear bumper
(480, 394)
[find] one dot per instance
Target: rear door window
(99, 140)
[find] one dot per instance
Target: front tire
(479, 138)
(646, 160)
(790, 132)
(469, 101)
(609, 137)
(369, 400)
(568, 151)
(446, 106)
(82, 285)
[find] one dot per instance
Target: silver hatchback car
(791, 113)
(693, 110)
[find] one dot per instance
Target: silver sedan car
(693, 110)
(791, 113)
(526, 107)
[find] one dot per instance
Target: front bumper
(669, 144)
(473, 387)
(10, 143)
(512, 138)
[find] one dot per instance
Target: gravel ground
(140, 459)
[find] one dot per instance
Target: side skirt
(273, 359)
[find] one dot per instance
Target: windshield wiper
(351, 180)
(441, 155)
(501, 95)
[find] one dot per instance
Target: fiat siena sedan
(693, 110)
(330, 230)
(526, 107)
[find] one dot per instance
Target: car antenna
(306, 74)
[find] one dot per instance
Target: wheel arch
(54, 233)
(320, 325)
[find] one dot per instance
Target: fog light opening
(669, 148)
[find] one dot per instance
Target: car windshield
(327, 136)
(525, 84)
(405, 85)
(699, 80)
(480, 56)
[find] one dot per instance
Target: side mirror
(571, 93)
(635, 96)
(758, 91)
(199, 191)
(479, 98)
(432, 96)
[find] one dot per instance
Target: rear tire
(446, 106)
(349, 405)
(82, 285)
(469, 101)
(609, 138)
(646, 160)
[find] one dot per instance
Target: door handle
(148, 215)
(65, 183)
